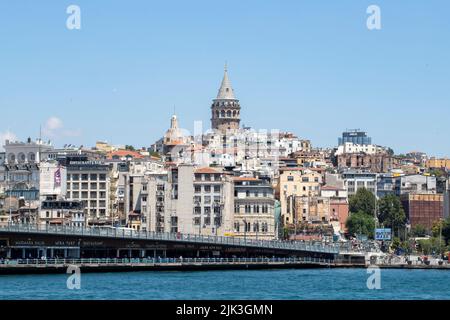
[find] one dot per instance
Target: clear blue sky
(311, 67)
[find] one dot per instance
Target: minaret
(225, 108)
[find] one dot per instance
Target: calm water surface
(261, 285)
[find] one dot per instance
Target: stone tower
(225, 109)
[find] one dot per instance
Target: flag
(58, 177)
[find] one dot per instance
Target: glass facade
(356, 137)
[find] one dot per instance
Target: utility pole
(440, 236)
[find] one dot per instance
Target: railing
(131, 234)
(165, 261)
(177, 237)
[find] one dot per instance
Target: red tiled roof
(206, 170)
(125, 153)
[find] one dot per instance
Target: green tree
(437, 172)
(155, 154)
(431, 246)
(130, 148)
(391, 213)
(446, 231)
(361, 223)
(419, 231)
(362, 201)
(442, 227)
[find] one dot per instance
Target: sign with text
(383, 234)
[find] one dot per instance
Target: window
(198, 189)
(290, 178)
(93, 177)
(207, 188)
(102, 177)
(216, 188)
(94, 185)
(197, 210)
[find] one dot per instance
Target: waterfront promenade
(43, 266)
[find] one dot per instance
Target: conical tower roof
(226, 91)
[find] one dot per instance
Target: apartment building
(62, 212)
(355, 179)
(296, 182)
(254, 209)
(88, 182)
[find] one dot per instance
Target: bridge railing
(163, 261)
(177, 237)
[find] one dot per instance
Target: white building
(350, 147)
(25, 152)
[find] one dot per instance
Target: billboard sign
(383, 234)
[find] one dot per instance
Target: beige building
(254, 213)
(104, 147)
(434, 163)
(312, 209)
(296, 182)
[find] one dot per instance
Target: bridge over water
(38, 241)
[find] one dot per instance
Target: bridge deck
(170, 237)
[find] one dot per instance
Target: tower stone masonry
(225, 109)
